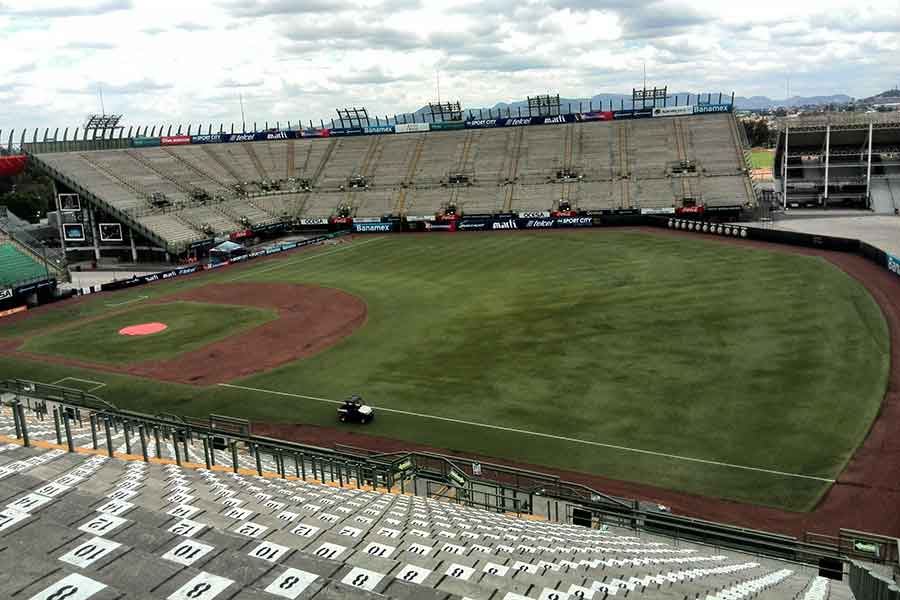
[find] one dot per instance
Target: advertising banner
(673, 111)
(240, 137)
(315, 133)
(375, 129)
(484, 123)
(597, 115)
(24, 290)
(414, 218)
(574, 222)
(345, 131)
(712, 108)
(6, 294)
(175, 140)
(341, 220)
(641, 113)
(666, 210)
(144, 142)
(447, 126)
(212, 138)
(689, 210)
(473, 224)
(372, 227)
(319, 221)
(893, 264)
(367, 219)
(442, 226)
(239, 235)
(410, 127)
(534, 214)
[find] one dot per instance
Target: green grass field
(191, 325)
(762, 159)
(668, 361)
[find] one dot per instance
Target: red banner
(239, 235)
(448, 217)
(342, 220)
(689, 210)
(12, 165)
(175, 140)
(563, 213)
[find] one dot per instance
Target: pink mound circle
(143, 329)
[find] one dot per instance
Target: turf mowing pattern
(677, 346)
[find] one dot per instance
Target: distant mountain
(884, 97)
(759, 102)
(619, 101)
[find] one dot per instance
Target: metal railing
(486, 485)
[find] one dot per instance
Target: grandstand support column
(784, 170)
(827, 159)
(234, 457)
(15, 413)
(59, 221)
(134, 257)
(56, 425)
(869, 168)
(94, 236)
(206, 452)
(125, 428)
(157, 443)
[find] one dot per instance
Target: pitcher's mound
(143, 329)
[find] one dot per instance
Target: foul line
(97, 385)
(138, 299)
(282, 264)
(545, 435)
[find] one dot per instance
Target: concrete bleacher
(621, 164)
(16, 265)
(81, 525)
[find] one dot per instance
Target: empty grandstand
(840, 160)
(176, 194)
(141, 507)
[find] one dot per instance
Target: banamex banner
(377, 129)
(712, 108)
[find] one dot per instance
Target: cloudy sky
(180, 61)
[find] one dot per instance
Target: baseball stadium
(542, 353)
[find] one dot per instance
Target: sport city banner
(212, 138)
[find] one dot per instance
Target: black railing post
(256, 454)
(143, 435)
(157, 442)
(125, 428)
(56, 425)
(206, 452)
(177, 450)
(234, 457)
(70, 443)
(212, 453)
(109, 445)
(93, 420)
(16, 424)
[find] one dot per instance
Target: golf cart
(355, 411)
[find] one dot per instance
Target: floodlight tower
(543, 105)
(103, 124)
(353, 117)
(445, 111)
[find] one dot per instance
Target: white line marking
(97, 384)
(544, 435)
(282, 264)
(138, 299)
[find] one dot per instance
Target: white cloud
(302, 59)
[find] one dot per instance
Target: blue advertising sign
(712, 108)
(373, 227)
(374, 129)
(213, 138)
